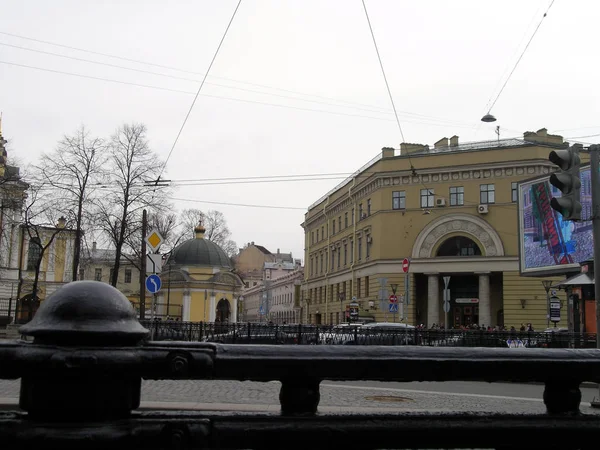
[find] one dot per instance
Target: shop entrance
(464, 301)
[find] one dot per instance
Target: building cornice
(429, 177)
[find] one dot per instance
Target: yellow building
(452, 211)
(199, 283)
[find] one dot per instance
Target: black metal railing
(81, 383)
(261, 333)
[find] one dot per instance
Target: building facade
(275, 300)
(452, 211)
(97, 264)
(22, 247)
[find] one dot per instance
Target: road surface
(448, 396)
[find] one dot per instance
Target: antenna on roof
(498, 132)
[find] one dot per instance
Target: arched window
(34, 253)
(459, 246)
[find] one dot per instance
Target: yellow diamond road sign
(154, 240)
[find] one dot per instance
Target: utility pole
(143, 266)
(595, 178)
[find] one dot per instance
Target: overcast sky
(296, 88)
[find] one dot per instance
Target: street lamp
(488, 118)
(547, 284)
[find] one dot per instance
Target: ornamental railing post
(79, 323)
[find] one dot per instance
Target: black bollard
(70, 372)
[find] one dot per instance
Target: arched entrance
(223, 311)
(26, 308)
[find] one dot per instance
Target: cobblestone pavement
(247, 392)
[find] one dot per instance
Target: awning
(577, 280)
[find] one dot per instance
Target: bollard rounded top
(86, 313)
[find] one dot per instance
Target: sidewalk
(12, 404)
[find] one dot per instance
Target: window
(345, 220)
(459, 246)
(368, 207)
(345, 254)
(427, 196)
(513, 192)
(81, 274)
(399, 200)
(312, 237)
(366, 286)
(317, 235)
(321, 262)
(339, 257)
(351, 251)
(333, 226)
(457, 196)
(332, 261)
(487, 193)
(359, 248)
(322, 232)
(352, 219)
(368, 246)
(98, 274)
(360, 212)
(358, 287)
(340, 223)
(127, 275)
(311, 266)
(34, 254)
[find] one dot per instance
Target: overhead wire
(199, 89)
(151, 64)
(521, 56)
(297, 108)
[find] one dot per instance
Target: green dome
(199, 252)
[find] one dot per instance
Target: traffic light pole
(595, 176)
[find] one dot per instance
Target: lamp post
(547, 284)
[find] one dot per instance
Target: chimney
(412, 148)
(278, 251)
(62, 222)
(387, 152)
(442, 143)
(542, 137)
(454, 141)
(94, 246)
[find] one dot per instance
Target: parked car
(250, 335)
(339, 334)
(384, 333)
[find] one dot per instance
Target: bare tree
(74, 170)
(215, 224)
(43, 223)
(131, 165)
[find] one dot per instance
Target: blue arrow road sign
(393, 307)
(153, 283)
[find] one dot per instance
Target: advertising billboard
(548, 244)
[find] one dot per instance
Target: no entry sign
(405, 265)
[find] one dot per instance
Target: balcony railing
(81, 379)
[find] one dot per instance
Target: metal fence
(7, 310)
(255, 333)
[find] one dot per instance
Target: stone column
(433, 299)
(187, 300)
(485, 306)
(234, 310)
(212, 308)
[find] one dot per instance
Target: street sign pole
(595, 178)
(446, 301)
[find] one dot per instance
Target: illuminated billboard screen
(548, 244)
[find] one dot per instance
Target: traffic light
(567, 181)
